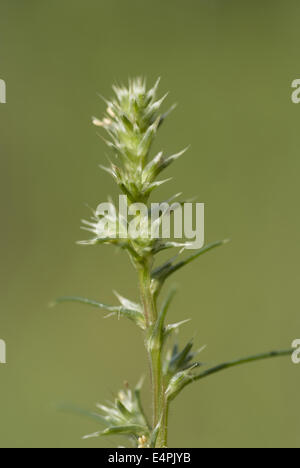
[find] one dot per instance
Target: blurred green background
(229, 64)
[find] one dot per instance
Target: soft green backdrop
(229, 64)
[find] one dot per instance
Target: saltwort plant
(132, 121)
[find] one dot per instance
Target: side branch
(229, 364)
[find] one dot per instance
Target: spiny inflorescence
(131, 122)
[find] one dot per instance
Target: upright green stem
(153, 346)
(148, 301)
(162, 438)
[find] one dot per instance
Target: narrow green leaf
(137, 393)
(94, 435)
(122, 408)
(227, 365)
(67, 407)
(166, 114)
(126, 429)
(134, 315)
(182, 356)
(157, 335)
(154, 435)
(91, 302)
(165, 308)
(167, 269)
(169, 160)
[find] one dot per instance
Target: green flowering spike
(131, 121)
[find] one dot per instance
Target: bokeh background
(229, 64)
